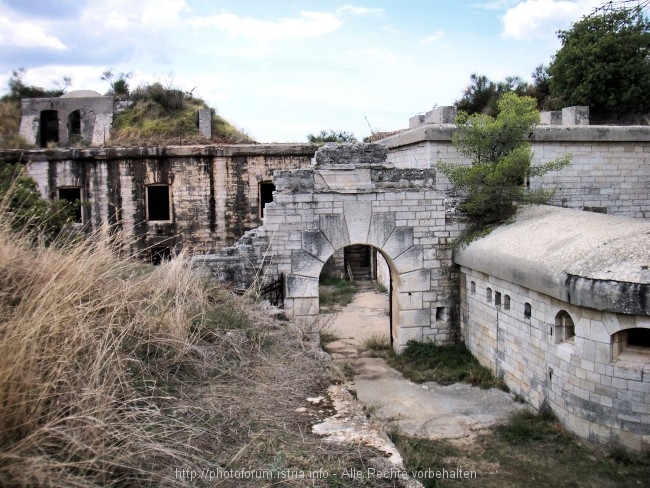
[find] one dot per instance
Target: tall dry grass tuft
(79, 330)
(117, 373)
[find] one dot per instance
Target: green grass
(378, 346)
(425, 361)
(531, 450)
(335, 293)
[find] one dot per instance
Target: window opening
(506, 302)
(564, 329)
(440, 313)
(74, 123)
(527, 311)
(266, 190)
(497, 299)
(158, 203)
(73, 197)
(49, 126)
(473, 287)
(488, 294)
(632, 344)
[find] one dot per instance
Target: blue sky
(280, 69)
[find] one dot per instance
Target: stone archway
(358, 224)
(353, 196)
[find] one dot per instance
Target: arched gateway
(352, 196)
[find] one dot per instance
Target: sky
(280, 70)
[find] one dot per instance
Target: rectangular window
(473, 287)
(158, 203)
(506, 302)
(497, 299)
(72, 195)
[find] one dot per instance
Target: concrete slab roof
(588, 259)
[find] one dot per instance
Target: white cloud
(307, 24)
(351, 9)
(122, 15)
(27, 35)
(436, 36)
(542, 18)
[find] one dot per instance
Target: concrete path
(429, 410)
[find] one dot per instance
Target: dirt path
(429, 410)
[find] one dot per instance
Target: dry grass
(113, 373)
(10, 124)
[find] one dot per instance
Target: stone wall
(95, 118)
(351, 196)
(214, 191)
(610, 171)
(548, 303)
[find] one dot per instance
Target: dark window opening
(473, 288)
(527, 310)
(49, 127)
(564, 327)
(497, 299)
(73, 197)
(266, 195)
(440, 313)
(638, 337)
(158, 202)
(506, 302)
(159, 255)
(74, 123)
(632, 345)
(488, 294)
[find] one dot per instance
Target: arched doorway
(49, 127)
(356, 299)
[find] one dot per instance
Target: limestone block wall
(596, 395)
(610, 171)
(214, 192)
(352, 197)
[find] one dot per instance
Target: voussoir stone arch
(351, 196)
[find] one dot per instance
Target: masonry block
(304, 264)
(357, 218)
(335, 229)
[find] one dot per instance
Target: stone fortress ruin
(556, 303)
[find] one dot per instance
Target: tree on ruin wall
(495, 181)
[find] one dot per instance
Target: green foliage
(119, 85)
(425, 361)
(604, 62)
(482, 95)
(500, 162)
(26, 210)
(18, 89)
(331, 136)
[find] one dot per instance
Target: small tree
(22, 206)
(500, 162)
(119, 84)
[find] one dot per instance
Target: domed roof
(81, 94)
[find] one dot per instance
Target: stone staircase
(357, 262)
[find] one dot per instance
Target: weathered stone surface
(335, 229)
(357, 218)
(301, 287)
(382, 225)
(316, 243)
(399, 241)
(305, 264)
(410, 260)
(344, 180)
(357, 153)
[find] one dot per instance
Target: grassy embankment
(159, 116)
